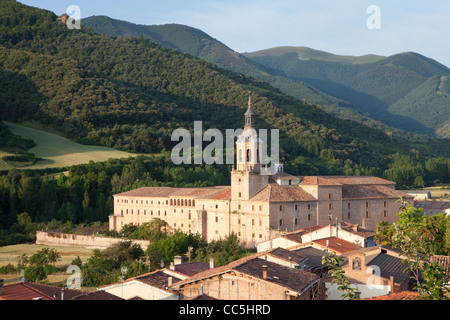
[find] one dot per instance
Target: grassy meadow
(56, 151)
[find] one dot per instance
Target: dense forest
(84, 195)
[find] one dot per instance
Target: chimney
(211, 263)
(392, 284)
(355, 227)
(172, 266)
(178, 260)
(169, 281)
(328, 243)
(264, 272)
(1, 286)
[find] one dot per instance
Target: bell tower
(246, 178)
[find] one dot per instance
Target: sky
(345, 27)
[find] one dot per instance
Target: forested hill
(131, 94)
(375, 90)
(406, 90)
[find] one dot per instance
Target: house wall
(132, 289)
(368, 212)
(75, 240)
(232, 286)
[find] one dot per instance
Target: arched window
(240, 156)
(356, 264)
(249, 155)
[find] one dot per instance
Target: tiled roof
(221, 192)
(31, 291)
(356, 229)
(273, 192)
(389, 266)
(371, 192)
(317, 180)
(290, 278)
(433, 205)
(297, 235)
(335, 244)
(358, 180)
(286, 255)
(98, 295)
(192, 268)
(443, 261)
(403, 295)
(282, 176)
(314, 256)
(158, 278)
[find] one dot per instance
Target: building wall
(232, 286)
(290, 216)
(132, 289)
(368, 212)
(76, 240)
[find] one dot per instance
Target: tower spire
(249, 115)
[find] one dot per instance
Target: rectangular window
(309, 217)
(281, 208)
(281, 222)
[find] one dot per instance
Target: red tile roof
(297, 235)
(22, 291)
(371, 192)
(335, 244)
(344, 180)
(276, 193)
(403, 295)
(98, 295)
(221, 192)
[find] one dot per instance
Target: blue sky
(338, 27)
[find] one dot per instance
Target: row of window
(172, 202)
(144, 212)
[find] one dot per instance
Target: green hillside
(197, 43)
(378, 86)
(57, 152)
(130, 94)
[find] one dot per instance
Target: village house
(375, 271)
(349, 232)
(433, 207)
(155, 285)
(255, 277)
(260, 206)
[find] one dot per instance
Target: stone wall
(75, 240)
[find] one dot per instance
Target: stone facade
(258, 207)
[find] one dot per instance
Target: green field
(57, 151)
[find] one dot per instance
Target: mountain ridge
(344, 100)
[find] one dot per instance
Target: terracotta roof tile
(403, 295)
(371, 192)
(276, 193)
(335, 244)
(297, 235)
(98, 295)
(31, 291)
(221, 192)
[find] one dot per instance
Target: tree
(44, 257)
(343, 282)
(414, 237)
